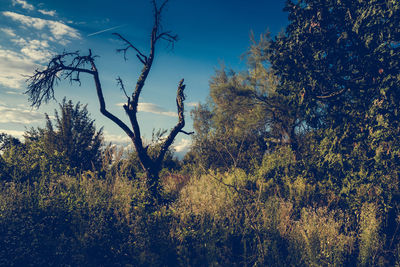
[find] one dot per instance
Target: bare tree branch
(180, 97)
(122, 86)
(167, 36)
(139, 54)
(187, 133)
(41, 84)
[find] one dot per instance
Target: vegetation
(72, 65)
(294, 162)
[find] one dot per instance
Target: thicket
(294, 162)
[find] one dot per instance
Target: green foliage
(323, 237)
(341, 56)
(370, 239)
(72, 147)
(81, 221)
(73, 134)
(229, 132)
(29, 161)
(295, 162)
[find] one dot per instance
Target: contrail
(106, 30)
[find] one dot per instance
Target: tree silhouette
(72, 65)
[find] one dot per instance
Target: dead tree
(72, 65)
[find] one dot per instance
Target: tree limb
(332, 94)
(180, 97)
(139, 54)
(187, 133)
(122, 86)
(41, 84)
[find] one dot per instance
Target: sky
(211, 33)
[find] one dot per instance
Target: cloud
(48, 12)
(13, 67)
(37, 50)
(59, 30)
(15, 133)
(13, 93)
(153, 108)
(8, 31)
(19, 115)
(116, 139)
(24, 4)
(183, 146)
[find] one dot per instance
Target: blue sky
(210, 33)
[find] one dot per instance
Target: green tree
(340, 61)
(246, 114)
(71, 146)
(73, 135)
(228, 129)
(339, 55)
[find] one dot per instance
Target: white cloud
(13, 93)
(8, 31)
(37, 50)
(48, 12)
(59, 30)
(153, 108)
(116, 139)
(24, 4)
(13, 67)
(19, 41)
(183, 145)
(18, 134)
(19, 115)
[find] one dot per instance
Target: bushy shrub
(76, 221)
(370, 240)
(322, 237)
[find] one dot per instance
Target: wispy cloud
(13, 93)
(9, 32)
(47, 12)
(19, 115)
(37, 50)
(58, 29)
(153, 108)
(106, 30)
(20, 60)
(116, 139)
(14, 67)
(183, 145)
(15, 133)
(24, 4)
